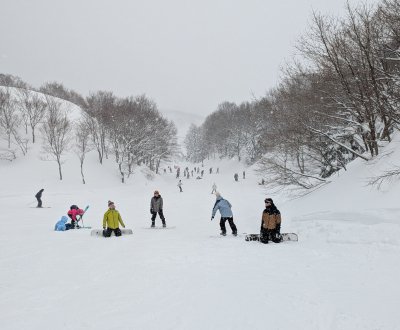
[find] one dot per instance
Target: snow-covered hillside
(342, 274)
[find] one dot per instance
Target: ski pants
(269, 235)
(231, 224)
(39, 200)
(154, 215)
(107, 232)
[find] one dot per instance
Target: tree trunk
(83, 177)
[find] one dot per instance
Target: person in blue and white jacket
(224, 208)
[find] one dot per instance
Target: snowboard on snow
(160, 227)
(227, 235)
(285, 237)
(99, 232)
(43, 207)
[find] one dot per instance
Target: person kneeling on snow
(270, 223)
(74, 210)
(112, 219)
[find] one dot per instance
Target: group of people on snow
(270, 219)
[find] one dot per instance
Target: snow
(342, 274)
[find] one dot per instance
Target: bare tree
(56, 129)
(82, 146)
(9, 118)
(34, 108)
(100, 106)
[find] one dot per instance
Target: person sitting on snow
(73, 212)
(61, 225)
(112, 219)
(270, 223)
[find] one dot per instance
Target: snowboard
(43, 207)
(160, 227)
(99, 232)
(285, 237)
(225, 236)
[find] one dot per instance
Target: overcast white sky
(186, 55)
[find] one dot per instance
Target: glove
(123, 226)
(278, 229)
(212, 218)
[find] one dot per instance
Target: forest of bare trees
(339, 102)
(131, 130)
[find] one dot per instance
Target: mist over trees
(338, 104)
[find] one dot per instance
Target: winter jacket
(112, 218)
(60, 225)
(224, 208)
(74, 212)
(271, 217)
(156, 204)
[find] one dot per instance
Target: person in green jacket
(112, 219)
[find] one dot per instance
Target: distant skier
(156, 206)
(39, 197)
(214, 188)
(270, 223)
(73, 212)
(236, 177)
(202, 173)
(224, 208)
(111, 221)
(244, 175)
(180, 185)
(217, 170)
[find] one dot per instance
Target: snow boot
(223, 233)
(153, 224)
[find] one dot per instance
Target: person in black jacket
(39, 197)
(156, 206)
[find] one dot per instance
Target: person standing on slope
(180, 185)
(39, 197)
(156, 206)
(270, 223)
(214, 188)
(224, 208)
(111, 221)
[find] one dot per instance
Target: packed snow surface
(342, 274)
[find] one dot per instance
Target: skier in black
(156, 206)
(39, 197)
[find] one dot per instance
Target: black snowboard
(99, 232)
(285, 237)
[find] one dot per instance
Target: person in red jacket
(73, 212)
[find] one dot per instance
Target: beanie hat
(269, 200)
(110, 203)
(156, 192)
